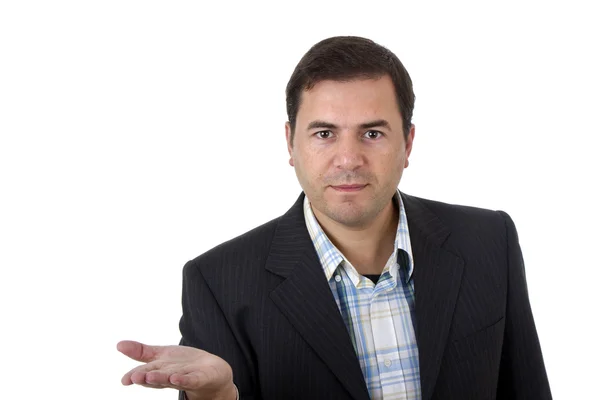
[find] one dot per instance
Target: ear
(288, 139)
(409, 144)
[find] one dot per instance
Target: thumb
(139, 351)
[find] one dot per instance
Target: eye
(373, 134)
(323, 134)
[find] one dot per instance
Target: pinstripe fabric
(261, 302)
(379, 317)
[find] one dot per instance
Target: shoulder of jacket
(457, 216)
(254, 243)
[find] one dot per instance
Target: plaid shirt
(379, 317)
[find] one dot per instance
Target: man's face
(349, 133)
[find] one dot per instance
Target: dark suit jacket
(262, 303)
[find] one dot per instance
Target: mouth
(348, 188)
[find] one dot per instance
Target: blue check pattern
(379, 317)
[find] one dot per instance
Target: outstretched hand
(199, 373)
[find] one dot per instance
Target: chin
(346, 214)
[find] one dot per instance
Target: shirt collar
(331, 258)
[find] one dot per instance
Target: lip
(348, 188)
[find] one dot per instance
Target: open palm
(178, 367)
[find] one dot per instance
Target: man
(359, 291)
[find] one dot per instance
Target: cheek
(314, 172)
(390, 162)
(305, 165)
(309, 161)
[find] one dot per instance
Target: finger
(186, 381)
(148, 385)
(158, 378)
(194, 380)
(180, 380)
(145, 383)
(138, 374)
(164, 376)
(155, 386)
(139, 351)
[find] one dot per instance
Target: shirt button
(387, 363)
(338, 278)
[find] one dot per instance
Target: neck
(368, 247)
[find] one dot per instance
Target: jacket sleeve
(203, 325)
(522, 370)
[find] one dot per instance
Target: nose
(349, 153)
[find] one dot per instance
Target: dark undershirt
(373, 278)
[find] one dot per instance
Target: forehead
(348, 102)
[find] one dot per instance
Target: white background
(135, 135)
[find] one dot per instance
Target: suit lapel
(305, 298)
(437, 276)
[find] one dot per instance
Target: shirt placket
(386, 345)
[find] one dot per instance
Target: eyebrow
(366, 125)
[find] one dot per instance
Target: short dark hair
(346, 58)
